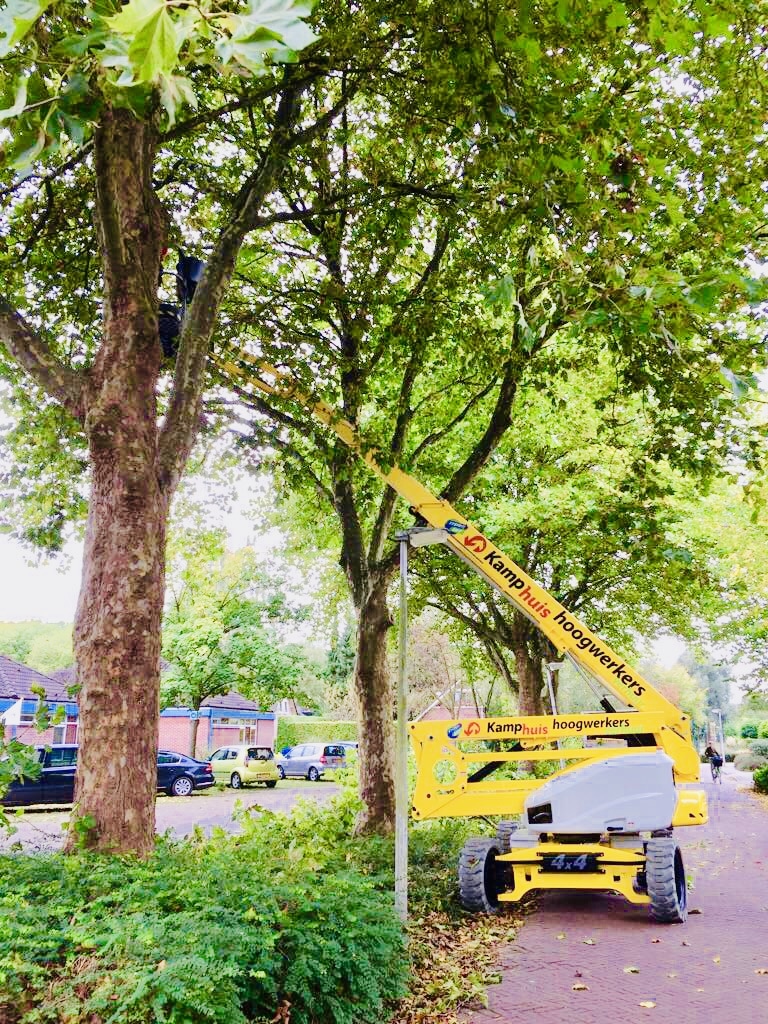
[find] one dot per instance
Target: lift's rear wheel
(665, 878)
(504, 832)
(481, 876)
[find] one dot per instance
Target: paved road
(42, 830)
(701, 972)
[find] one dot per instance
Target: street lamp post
(418, 536)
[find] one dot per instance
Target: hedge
(295, 729)
(286, 921)
(761, 779)
(747, 762)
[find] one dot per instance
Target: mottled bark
(117, 649)
(375, 697)
(118, 620)
(530, 679)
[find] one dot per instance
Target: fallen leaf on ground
(762, 970)
(672, 974)
(560, 936)
(580, 987)
(589, 942)
(715, 959)
(685, 942)
(647, 1003)
(695, 910)
(655, 940)
(631, 970)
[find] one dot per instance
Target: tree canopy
(423, 213)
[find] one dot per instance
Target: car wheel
(182, 786)
(235, 781)
(271, 784)
(313, 774)
(281, 771)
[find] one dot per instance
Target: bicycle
(716, 764)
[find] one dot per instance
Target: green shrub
(761, 779)
(295, 729)
(759, 747)
(749, 731)
(206, 931)
(748, 761)
(762, 730)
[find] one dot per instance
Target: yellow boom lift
(605, 820)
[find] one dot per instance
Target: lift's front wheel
(665, 878)
(481, 877)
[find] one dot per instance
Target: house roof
(231, 701)
(17, 680)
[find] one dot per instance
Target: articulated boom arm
(566, 632)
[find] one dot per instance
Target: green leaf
(33, 147)
(269, 29)
(16, 19)
(617, 17)
(176, 90)
(154, 38)
(19, 102)
(740, 384)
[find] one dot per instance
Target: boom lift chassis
(605, 821)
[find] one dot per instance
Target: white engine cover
(631, 793)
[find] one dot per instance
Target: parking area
(41, 830)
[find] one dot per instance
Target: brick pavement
(696, 973)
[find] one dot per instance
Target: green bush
(206, 931)
(762, 730)
(748, 761)
(295, 729)
(749, 731)
(761, 779)
(759, 747)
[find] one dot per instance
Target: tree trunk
(375, 699)
(117, 649)
(529, 683)
(118, 621)
(193, 725)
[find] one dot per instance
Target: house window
(59, 733)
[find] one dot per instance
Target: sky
(46, 589)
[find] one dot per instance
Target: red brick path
(702, 972)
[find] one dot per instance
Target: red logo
(476, 543)
(472, 729)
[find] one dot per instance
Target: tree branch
(36, 358)
(498, 425)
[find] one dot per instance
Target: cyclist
(715, 761)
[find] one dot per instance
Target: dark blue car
(177, 775)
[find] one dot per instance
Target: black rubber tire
(504, 832)
(281, 771)
(313, 774)
(182, 786)
(481, 877)
(235, 780)
(665, 878)
(271, 784)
